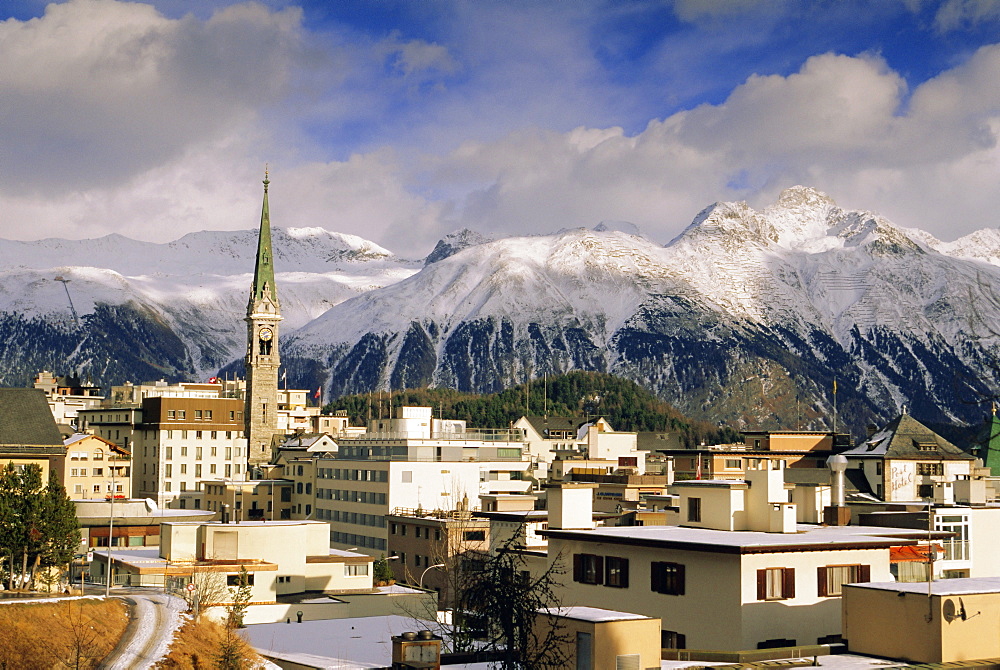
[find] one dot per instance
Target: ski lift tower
(72, 309)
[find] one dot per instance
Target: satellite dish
(948, 609)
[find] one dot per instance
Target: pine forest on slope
(588, 395)
(747, 317)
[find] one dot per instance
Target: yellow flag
(834, 387)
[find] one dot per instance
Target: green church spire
(263, 274)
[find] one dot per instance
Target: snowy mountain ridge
(741, 317)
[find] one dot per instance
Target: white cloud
(96, 90)
(956, 14)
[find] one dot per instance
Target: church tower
(262, 361)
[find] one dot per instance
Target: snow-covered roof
(943, 587)
(808, 538)
(594, 614)
(360, 642)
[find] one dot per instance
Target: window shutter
(599, 569)
(821, 581)
(623, 566)
(864, 573)
(577, 567)
(788, 582)
(762, 585)
(656, 577)
(680, 579)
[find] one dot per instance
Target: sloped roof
(26, 420)
(907, 438)
(543, 424)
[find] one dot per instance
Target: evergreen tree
(59, 525)
(241, 600)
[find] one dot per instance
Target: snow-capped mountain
(145, 311)
(746, 316)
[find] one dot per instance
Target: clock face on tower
(266, 334)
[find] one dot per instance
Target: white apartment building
(410, 462)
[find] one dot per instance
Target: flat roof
(360, 642)
(941, 587)
(807, 538)
(594, 614)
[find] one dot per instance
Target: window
(98, 455)
(588, 569)
(208, 415)
(168, 470)
(184, 468)
(616, 572)
(831, 578)
(356, 570)
(733, 463)
(667, 578)
(234, 580)
(181, 414)
(930, 469)
(694, 509)
(407, 476)
(470, 535)
(211, 468)
(775, 583)
(198, 435)
(197, 415)
(184, 451)
(671, 639)
(197, 453)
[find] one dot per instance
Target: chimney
(837, 514)
(571, 505)
(416, 650)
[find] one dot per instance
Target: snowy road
(154, 620)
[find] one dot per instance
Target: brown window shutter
(788, 582)
(599, 562)
(821, 581)
(624, 572)
(864, 573)
(577, 567)
(680, 580)
(656, 577)
(762, 585)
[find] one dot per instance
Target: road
(154, 617)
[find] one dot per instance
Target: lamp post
(111, 532)
(436, 565)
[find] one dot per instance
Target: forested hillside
(626, 406)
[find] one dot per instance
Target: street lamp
(111, 532)
(436, 565)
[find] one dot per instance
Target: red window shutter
(577, 568)
(864, 573)
(821, 581)
(788, 582)
(680, 579)
(762, 585)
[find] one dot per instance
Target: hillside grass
(63, 634)
(199, 644)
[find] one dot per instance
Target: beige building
(947, 621)
(905, 460)
(596, 638)
(739, 573)
(96, 468)
(282, 558)
(434, 547)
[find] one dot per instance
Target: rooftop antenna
(76, 319)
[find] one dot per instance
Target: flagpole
(834, 404)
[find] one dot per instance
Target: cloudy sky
(401, 121)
